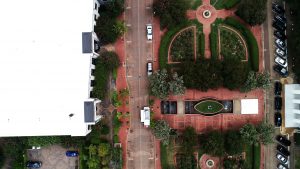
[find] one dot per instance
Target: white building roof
(249, 106)
(44, 76)
(292, 105)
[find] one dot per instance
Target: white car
(280, 52)
(280, 166)
(280, 44)
(280, 61)
(149, 31)
(149, 69)
(281, 158)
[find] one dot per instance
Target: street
(140, 151)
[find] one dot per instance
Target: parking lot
(53, 157)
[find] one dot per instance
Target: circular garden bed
(209, 107)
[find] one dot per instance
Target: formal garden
(234, 60)
(238, 148)
(209, 106)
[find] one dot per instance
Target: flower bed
(231, 44)
(182, 47)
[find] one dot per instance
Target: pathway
(198, 14)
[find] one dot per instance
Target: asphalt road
(140, 150)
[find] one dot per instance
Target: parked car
(277, 88)
(278, 9)
(149, 32)
(281, 158)
(280, 18)
(280, 35)
(72, 153)
(149, 68)
(284, 141)
(281, 70)
(277, 119)
(280, 166)
(280, 44)
(278, 26)
(283, 150)
(33, 164)
(280, 52)
(280, 61)
(278, 103)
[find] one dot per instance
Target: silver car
(280, 52)
(149, 31)
(280, 44)
(281, 158)
(280, 61)
(280, 166)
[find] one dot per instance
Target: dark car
(280, 35)
(278, 9)
(278, 26)
(277, 88)
(278, 103)
(284, 141)
(277, 119)
(72, 153)
(283, 150)
(280, 18)
(33, 164)
(281, 70)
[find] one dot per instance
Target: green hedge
(164, 156)
(213, 37)
(256, 158)
(167, 38)
(227, 4)
(201, 46)
(253, 50)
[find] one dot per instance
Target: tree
(170, 12)
(119, 28)
(234, 142)
(250, 83)
(266, 133)
(189, 140)
(234, 73)
(103, 149)
(254, 12)
(161, 130)
(263, 80)
(176, 85)
(249, 134)
(213, 143)
(110, 59)
(159, 84)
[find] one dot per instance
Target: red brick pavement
(121, 83)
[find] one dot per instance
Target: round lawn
(208, 107)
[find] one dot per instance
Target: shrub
(201, 47)
(253, 55)
(104, 129)
(43, 140)
(2, 158)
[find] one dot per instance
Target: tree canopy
(161, 130)
(170, 12)
(212, 143)
(162, 84)
(233, 142)
(254, 12)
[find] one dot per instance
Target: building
(46, 67)
(292, 105)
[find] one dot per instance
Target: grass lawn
(167, 155)
(209, 106)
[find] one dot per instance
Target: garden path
(198, 14)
